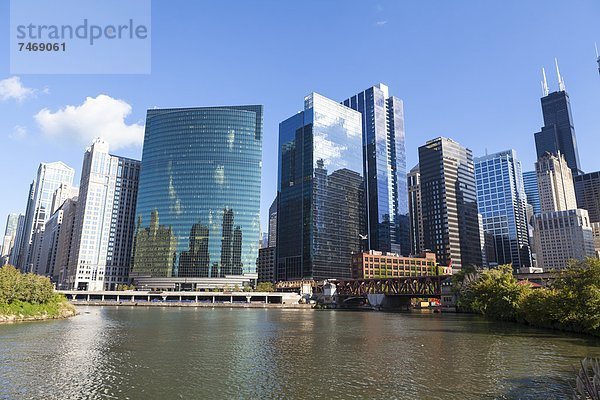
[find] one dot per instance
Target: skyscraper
(415, 214)
(92, 230)
(384, 167)
(558, 133)
(49, 177)
(449, 203)
(10, 233)
(555, 183)
(501, 201)
(199, 195)
(587, 192)
(561, 236)
(320, 216)
(531, 190)
(120, 244)
(18, 239)
(272, 242)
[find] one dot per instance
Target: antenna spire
(561, 82)
(545, 90)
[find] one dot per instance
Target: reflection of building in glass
(501, 201)
(196, 261)
(231, 246)
(384, 167)
(155, 248)
(449, 203)
(201, 170)
(320, 216)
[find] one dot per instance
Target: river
(203, 353)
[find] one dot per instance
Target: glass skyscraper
(449, 203)
(199, 193)
(39, 204)
(531, 190)
(501, 202)
(558, 133)
(385, 168)
(320, 216)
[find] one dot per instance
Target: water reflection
(141, 353)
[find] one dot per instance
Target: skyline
(436, 78)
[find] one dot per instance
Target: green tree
(578, 296)
(265, 287)
(494, 293)
(10, 284)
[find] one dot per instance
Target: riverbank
(22, 312)
(188, 304)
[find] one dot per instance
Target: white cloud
(102, 117)
(12, 88)
(19, 132)
(381, 23)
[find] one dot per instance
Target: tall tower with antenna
(558, 133)
(597, 57)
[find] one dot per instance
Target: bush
(28, 288)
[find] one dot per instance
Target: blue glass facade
(385, 168)
(501, 202)
(199, 192)
(321, 191)
(531, 190)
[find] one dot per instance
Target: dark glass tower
(199, 193)
(385, 168)
(449, 203)
(320, 216)
(587, 191)
(558, 133)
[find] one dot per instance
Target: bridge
(405, 286)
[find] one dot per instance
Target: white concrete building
(561, 236)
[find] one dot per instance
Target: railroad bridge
(406, 286)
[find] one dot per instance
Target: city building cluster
(186, 217)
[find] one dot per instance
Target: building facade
(197, 213)
(561, 236)
(384, 168)
(65, 246)
(265, 264)
(415, 214)
(272, 241)
(39, 206)
(587, 192)
(92, 233)
(10, 234)
(501, 201)
(558, 133)
(555, 183)
(531, 191)
(378, 264)
(122, 226)
(321, 213)
(449, 203)
(17, 240)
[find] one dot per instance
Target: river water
(203, 353)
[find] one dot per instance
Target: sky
(468, 70)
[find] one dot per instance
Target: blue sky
(469, 70)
